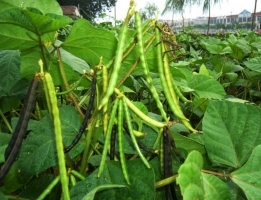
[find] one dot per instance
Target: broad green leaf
(8, 103)
(9, 69)
(14, 179)
(90, 43)
(190, 177)
(254, 64)
(76, 63)
(248, 176)
(206, 87)
(2, 153)
(203, 70)
(46, 23)
(243, 45)
(34, 20)
(231, 131)
(186, 143)
(45, 6)
(141, 107)
(91, 194)
(71, 122)
(214, 188)
(141, 178)
(2, 196)
(38, 185)
(14, 37)
(38, 150)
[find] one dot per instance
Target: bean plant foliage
(175, 116)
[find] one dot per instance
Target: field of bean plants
(89, 111)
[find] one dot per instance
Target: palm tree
(207, 6)
(179, 5)
(254, 16)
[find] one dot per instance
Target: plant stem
(6, 122)
(65, 82)
(49, 188)
(165, 181)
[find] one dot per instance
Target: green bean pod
(171, 98)
(108, 137)
(178, 92)
(105, 107)
(140, 113)
(121, 143)
(118, 57)
(145, 67)
(128, 119)
(51, 97)
(174, 90)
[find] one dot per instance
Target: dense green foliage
(220, 75)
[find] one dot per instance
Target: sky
(227, 7)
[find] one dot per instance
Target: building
(71, 11)
(241, 18)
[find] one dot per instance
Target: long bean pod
(136, 146)
(113, 142)
(51, 96)
(87, 115)
(121, 142)
(167, 160)
(118, 57)
(174, 106)
(21, 127)
(108, 136)
(145, 67)
(140, 113)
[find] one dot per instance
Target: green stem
(78, 175)
(6, 122)
(49, 188)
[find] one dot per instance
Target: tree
(253, 17)
(179, 5)
(149, 11)
(89, 8)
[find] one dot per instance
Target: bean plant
(135, 111)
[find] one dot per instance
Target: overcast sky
(227, 7)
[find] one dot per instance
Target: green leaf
(38, 150)
(38, 185)
(71, 122)
(141, 178)
(14, 37)
(2, 196)
(206, 87)
(2, 153)
(14, 179)
(9, 103)
(248, 176)
(45, 6)
(231, 131)
(91, 194)
(218, 49)
(33, 20)
(254, 64)
(90, 43)
(203, 70)
(9, 69)
(190, 177)
(214, 188)
(76, 63)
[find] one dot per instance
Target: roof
(70, 10)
